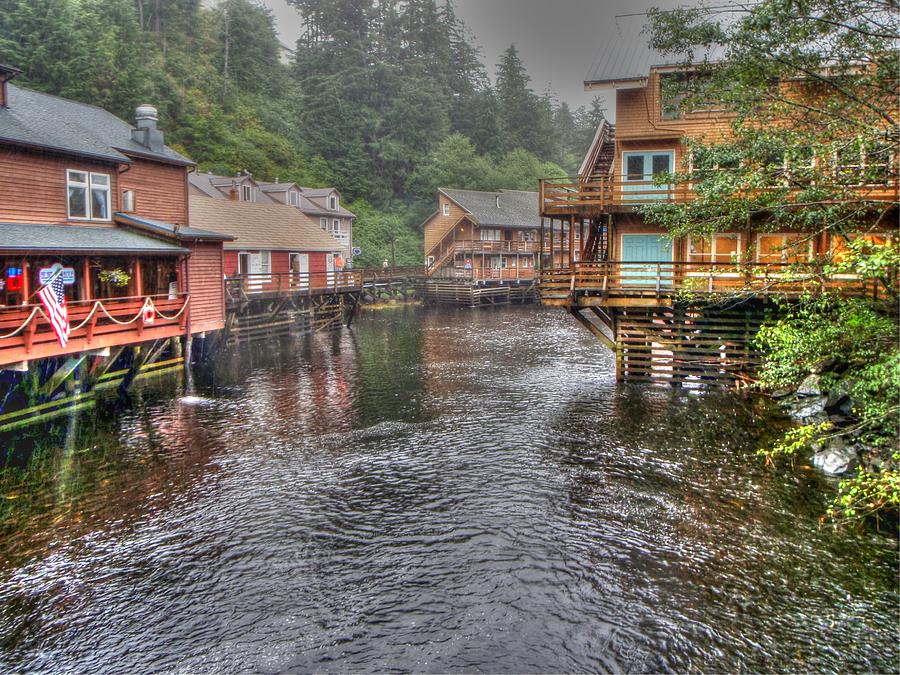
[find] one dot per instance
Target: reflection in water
(428, 491)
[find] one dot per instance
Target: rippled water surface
(429, 491)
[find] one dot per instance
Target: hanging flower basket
(117, 278)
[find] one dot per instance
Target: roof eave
(617, 83)
(112, 159)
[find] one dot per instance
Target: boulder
(811, 386)
(839, 401)
(809, 409)
(836, 459)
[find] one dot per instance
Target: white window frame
(336, 226)
(332, 203)
(293, 198)
(89, 186)
(265, 264)
(493, 231)
(246, 193)
(713, 255)
(323, 223)
(783, 235)
(445, 208)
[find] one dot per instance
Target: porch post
(571, 242)
(138, 281)
(551, 243)
(26, 281)
(86, 276)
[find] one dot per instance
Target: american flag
(53, 295)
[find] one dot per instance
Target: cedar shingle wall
(206, 287)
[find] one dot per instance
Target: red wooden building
(108, 202)
(273, 247)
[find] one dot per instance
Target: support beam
(594, 328)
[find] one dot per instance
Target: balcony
(26, 334)
(572, 196)
(647, 283)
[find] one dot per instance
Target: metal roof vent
(498, 201)
(145, 118)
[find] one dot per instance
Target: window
(246, 193)
(446, 208)
(720, 248)
(294, 199)
(265, 262)
(675, 88)
(527, 235)
(336, 226)
(128, 204)
(840, 244)
(88, 195)
(333, 202)
(783, 248)
(490, 235)
(323, 223)
(641, 169)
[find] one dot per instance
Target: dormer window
(294, 198)
(333, 202)
(446, 208)
(246, 193)
(88, 195)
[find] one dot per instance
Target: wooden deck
(26, 334)
(649, 284)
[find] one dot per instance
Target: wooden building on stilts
(654, 300)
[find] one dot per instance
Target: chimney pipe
(6, 74)
(146, 133)
(498, 201)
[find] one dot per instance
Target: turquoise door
(638, 172)
(646, 259)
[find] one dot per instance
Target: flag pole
(45, 284)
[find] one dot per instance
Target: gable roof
(625, 56)
(255, 225)
(218, 187)
(517, 208)
(40, 120)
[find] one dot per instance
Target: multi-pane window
(783, 248)
(840, 244)
(246, 193)
(719, 248)
(490, 235)
(294, 199)
(335, 226)
(88, 195)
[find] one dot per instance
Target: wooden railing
(649, 279)
(25, 332)
(560, 196)
(242, 286)
(573, 196)
(486, 273)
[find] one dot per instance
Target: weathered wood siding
(160, 190)
(33, 186)
(205, 285)
(439, 225)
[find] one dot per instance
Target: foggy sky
(557, 39)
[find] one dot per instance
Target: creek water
(429, 491)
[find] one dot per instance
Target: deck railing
(302, 283)
(486, 273)
(26, 333)
(643, 279)
(573, 196)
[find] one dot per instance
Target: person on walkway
(385, 264)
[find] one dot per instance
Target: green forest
(385, 100)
